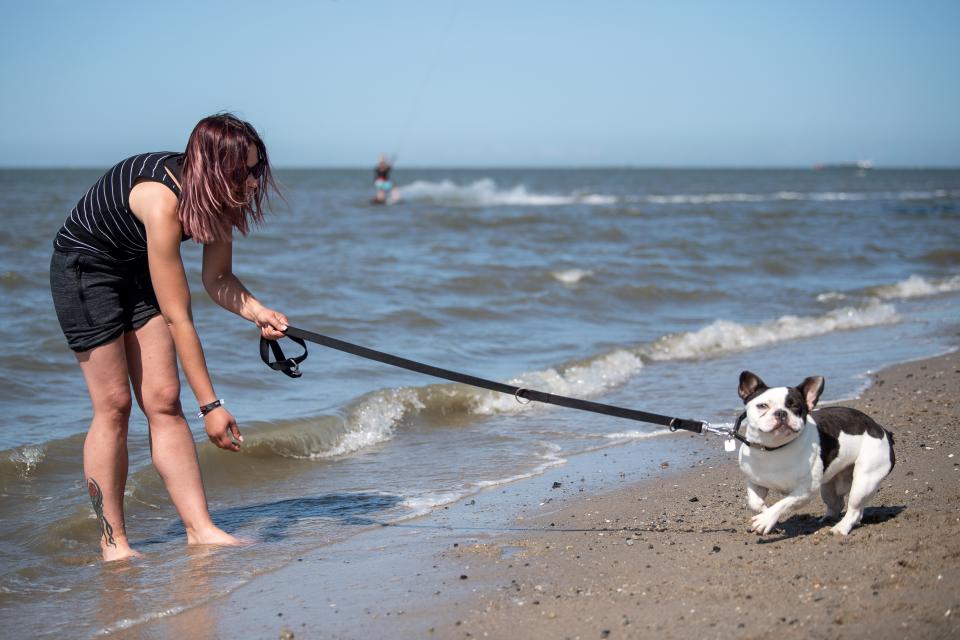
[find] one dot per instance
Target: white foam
(831, 296)
(637, 435)
(571, 276)
(27, 458)
(128, 623)
(430, 501)
(705, 198)
(815, 196)
(422, 504)
(916, 287)
(596, 198)
(725, 336)
(374, 420)
(582, 381)
(484, 192)
(551, 458)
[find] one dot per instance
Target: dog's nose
(780, 415)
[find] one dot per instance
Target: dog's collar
(753, 445)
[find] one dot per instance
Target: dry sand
(672, 558)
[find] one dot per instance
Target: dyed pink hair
(214, 198)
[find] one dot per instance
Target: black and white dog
(794, 450)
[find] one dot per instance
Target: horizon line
(831, 167)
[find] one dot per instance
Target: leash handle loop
(288, 366)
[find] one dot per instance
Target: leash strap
(521, 394)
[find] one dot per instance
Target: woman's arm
(226, 290)
(156, 207)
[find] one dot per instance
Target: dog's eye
(763, 406)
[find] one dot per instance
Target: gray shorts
(98, 300)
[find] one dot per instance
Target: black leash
(291, 367)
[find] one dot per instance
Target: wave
(20, 466)
(375, 418)
(592, 377)
(831, 296)
(371, 420)
(916, 287)
(23, 461)
(944, 257)
(571, 276)
(582, 380)
(913, 287)
(658, 293)
(724, 336)
(796, 196)
(484, 193)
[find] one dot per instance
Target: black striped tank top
(102, 223)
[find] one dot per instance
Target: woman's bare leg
(151, 358)
(105, 447)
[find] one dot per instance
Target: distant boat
(859, 166)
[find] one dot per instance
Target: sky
(498, 83)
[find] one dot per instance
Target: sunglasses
(258, 169)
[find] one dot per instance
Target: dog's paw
(763, 522)
(841, 529)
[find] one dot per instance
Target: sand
(605, 546)
(673, 558)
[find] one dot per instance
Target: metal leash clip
(718, 431)
(727, 433)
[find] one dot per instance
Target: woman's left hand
(272, 323)
(222, 429)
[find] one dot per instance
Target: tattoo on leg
(96, 496)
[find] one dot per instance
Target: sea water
(650, 289)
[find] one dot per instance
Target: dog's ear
(750, 383)
(811, 388)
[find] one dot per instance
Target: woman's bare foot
(214, 535)
(120, 550)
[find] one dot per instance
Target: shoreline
(599, 548)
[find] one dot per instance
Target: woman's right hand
(272, 324)
(220, 425)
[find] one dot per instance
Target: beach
(634, 288)
(668, 556)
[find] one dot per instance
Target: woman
(381, 180)
(123, 302)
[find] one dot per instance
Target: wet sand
(603, 547)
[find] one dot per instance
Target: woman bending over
(122, 299)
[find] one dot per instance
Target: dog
(795, 450)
